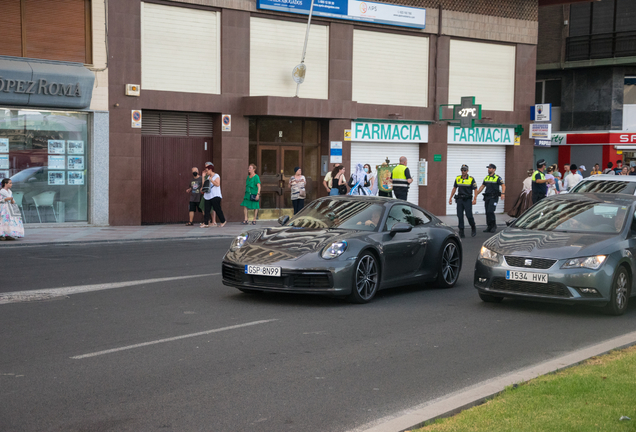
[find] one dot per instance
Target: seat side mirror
(401, 227)
(283, 219)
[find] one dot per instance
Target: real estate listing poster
(57, 162)
(56, 178)
(56, 147)
(75, 147)
(75, 177)
(75, 162)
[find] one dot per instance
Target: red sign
(623, 138)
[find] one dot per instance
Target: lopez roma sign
(354, 10)
(389, 132)
(481, 135)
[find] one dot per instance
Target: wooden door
(166, 173)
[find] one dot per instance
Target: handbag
(254, 197)
(14, 211)
(206, 187)
(342, 189)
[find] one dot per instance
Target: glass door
(291, 157)
(268, 169)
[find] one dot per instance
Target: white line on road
(45, 294)
(98, 353)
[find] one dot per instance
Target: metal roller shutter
(477, 157)
(167, 123)
(376, 153)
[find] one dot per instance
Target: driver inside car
(374, 220)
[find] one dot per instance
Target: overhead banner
(389, 132)
(353, 10)
(481, 135)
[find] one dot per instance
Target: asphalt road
(303, 364)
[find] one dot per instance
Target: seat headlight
(238, 242)
(488, 255)
(334, 250)
(592, 262)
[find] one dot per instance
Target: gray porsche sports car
(346, 246)
(573, 248)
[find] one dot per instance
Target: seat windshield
(605, 186)
(341, 214)
(574, 216)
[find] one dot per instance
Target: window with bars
(166, 123)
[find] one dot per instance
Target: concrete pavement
(59, 234)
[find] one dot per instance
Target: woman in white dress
(359, 182)
(10, 218)
(371, 177)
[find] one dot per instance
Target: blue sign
(541, 112)
(542, 143)
(354, 10)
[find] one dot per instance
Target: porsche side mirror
(510, 222)
(401, 227)
(283, 219)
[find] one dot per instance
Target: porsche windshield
(578, 216)
(353, 215)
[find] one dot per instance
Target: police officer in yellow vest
(466, 186)
(491, 196)
(401, 178)
(540, 183)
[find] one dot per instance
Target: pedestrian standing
(213, 199)
(596, 170)
(359, 182)
(549, 174)
(609, 169)
(371, 178)
(573, 179)
(619, 167)
(632, 170)
(492, 183)
(338, 184)
(11, 226)
(252, 193)
(624, 171)
(297, 184)
(465, 186)
(327, 180)
(195, 194)
(402, 179)
(540, 183)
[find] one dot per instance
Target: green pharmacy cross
(467, 112)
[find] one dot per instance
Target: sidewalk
(79, 234)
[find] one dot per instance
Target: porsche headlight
(238, 242)
(592, 262)
(334, 250)
(488, 255)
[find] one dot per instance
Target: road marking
(49, 293)
(98, 353)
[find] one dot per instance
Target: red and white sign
(623, 138)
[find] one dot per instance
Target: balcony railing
(600, 46)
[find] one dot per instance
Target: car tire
(250, 291)
(366, 278)
(450, 265)
(490, 298)
(619, 293)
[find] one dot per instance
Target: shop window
(629, 90)
(44, 29)
(45, 153)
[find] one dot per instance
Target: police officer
(539, 182)
(491, 196)
(401, 177)
(466, 186)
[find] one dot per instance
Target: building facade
(586, 68)
(199, 61)
(54, 130)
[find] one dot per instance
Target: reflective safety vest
(465, 186)
(399, 176)
(492, 185)
(539, 188)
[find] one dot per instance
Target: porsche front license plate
(527, 276)
(262, 270)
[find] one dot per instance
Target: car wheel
(366, 279)
(450, 265)
(250, 291)
(490, 298)
(619, 294)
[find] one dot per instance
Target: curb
(477, 394)
(87, 242)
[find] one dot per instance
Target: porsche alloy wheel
(366, 279)
(451, 264)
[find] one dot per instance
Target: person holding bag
(297, 184)
(252, 197)
(338, 184)
(11, 226)
(213, 199)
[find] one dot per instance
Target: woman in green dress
(252, 188)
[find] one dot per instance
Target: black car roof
(601, 197)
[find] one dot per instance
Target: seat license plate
(262, 270)
(527, 276)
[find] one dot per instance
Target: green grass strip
(589, 397)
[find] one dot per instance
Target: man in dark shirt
(466, 186)
(491, 196)
(540, 183)
(195, 194)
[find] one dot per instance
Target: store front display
(45, 153)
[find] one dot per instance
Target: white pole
(302, 60)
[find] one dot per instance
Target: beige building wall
(493, 28)
(100, 92)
